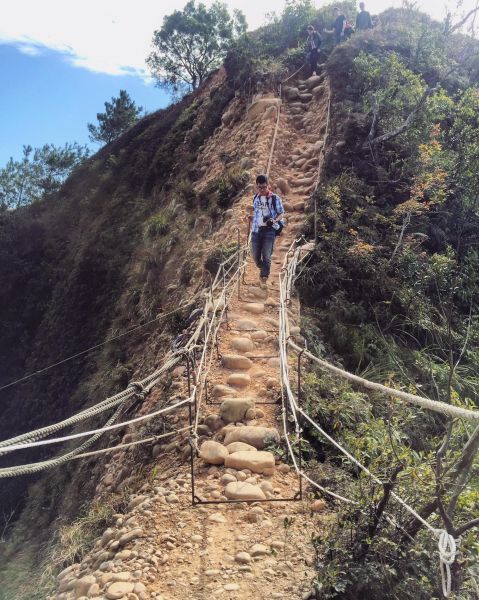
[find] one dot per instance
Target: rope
(447, 556)
(153, 438)
(55, 462)
(74, 436)
(446, 543)
(132, 389)
(434, 405)
(89, 412)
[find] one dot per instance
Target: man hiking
(267, 212)
(363, 20)
(313, 44)
(338, 25)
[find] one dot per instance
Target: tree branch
(406, 124)
(463, 528)
(462, 22)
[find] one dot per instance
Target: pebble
(119, 589)
(232, 587)
(318, 506)
(217, 518)
(259, 550)
(243, 557)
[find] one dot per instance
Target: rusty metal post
(239, 261)
(300, 396)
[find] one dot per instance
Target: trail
(171, 550)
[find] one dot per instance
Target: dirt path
(164, 547)
(249, 550)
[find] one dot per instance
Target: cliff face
(131, 235)
(135, 231)
(93, 262)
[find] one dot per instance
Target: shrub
(159, 224)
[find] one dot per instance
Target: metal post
(224, 296)
(239, 260)
(192, 466)
(300, 395)
(188, 374)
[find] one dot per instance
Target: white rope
(74, 436)
(153, 438)
(447, 544)
(447, 556)
(434, 405)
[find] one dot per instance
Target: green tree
(119, 115)
(39, 173)
(191, 43)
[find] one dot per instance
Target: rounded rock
(213, 453)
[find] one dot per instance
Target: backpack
(279, 223)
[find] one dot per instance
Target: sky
(60, 60)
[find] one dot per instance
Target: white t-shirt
(264, 207)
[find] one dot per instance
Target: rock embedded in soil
(223, 390)
(318, 506)
(259, 550)
(240, 490)
(243, 558)
(236, 361)
(254, 307)
(246, 325)
(256, 462)
(119, 589)
(213, 453)
(241, 344)
(235, 409)
(129, 536)
(256, 436)
(240, 380)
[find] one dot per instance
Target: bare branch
(463, 528)
(464, 20)
(406, 124)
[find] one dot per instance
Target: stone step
(236, 362)
(239, 380)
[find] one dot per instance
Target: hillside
(388, 292)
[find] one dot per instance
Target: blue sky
(60, 60)
(45, 99)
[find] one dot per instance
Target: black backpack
(280, 223)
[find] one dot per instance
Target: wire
(108, 341)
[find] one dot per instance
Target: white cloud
(114, 36)
(108, 36)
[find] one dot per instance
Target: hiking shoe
(263, 282)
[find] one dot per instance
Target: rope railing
(447, 545)
(32, 439)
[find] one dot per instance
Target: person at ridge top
(267, 212)
(363, 19)
(337, 27)
(313, 43)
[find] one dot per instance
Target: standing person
(267, 212)
(363, 20)
(338, 25)
(313, 44)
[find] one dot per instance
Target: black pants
(313, 60)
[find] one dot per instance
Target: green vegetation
(191, 43)
(391, 291)
(120, 114)
(393, 295)
(39, 174)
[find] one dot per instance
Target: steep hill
(389, 292)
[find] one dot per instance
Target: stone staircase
(250, 540)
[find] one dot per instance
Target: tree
(39, 173)
(119, 115)
(191, 43)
